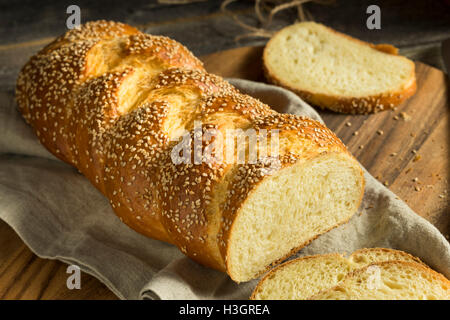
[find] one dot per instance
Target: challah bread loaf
(334, 71)
(301, 278)
(390, 280)
(117, 103)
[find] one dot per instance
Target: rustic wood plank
(25, 276)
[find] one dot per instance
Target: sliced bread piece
(335, 71)
(301, 278)
(390, 280)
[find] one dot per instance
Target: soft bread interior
(304, 277)
(298, 280)
(392, 280)
(288, 209)
(310, 57)
(364, 257)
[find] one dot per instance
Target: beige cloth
(60, 215)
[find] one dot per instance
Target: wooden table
(203, 29)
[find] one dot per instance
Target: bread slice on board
(391, 280)
(335, 71)
(304, 277)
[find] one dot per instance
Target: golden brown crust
(366, 105)
(351, 105)
(168, 51)
(74, 93)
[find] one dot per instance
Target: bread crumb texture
(334, 71)
(373, 273)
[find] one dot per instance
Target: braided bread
(115, 103)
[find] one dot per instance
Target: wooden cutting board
(398, 147)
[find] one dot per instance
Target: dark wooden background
(416, 27)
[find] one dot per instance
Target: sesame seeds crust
(171, 52)
(126, 153)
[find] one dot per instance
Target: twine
(265, 10)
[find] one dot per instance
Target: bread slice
(391, 280)
(334, 71)
(302, 278)
(283, 213)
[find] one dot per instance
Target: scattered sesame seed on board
(405, 116)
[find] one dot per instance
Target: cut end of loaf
(335, 71)
(289, 209)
